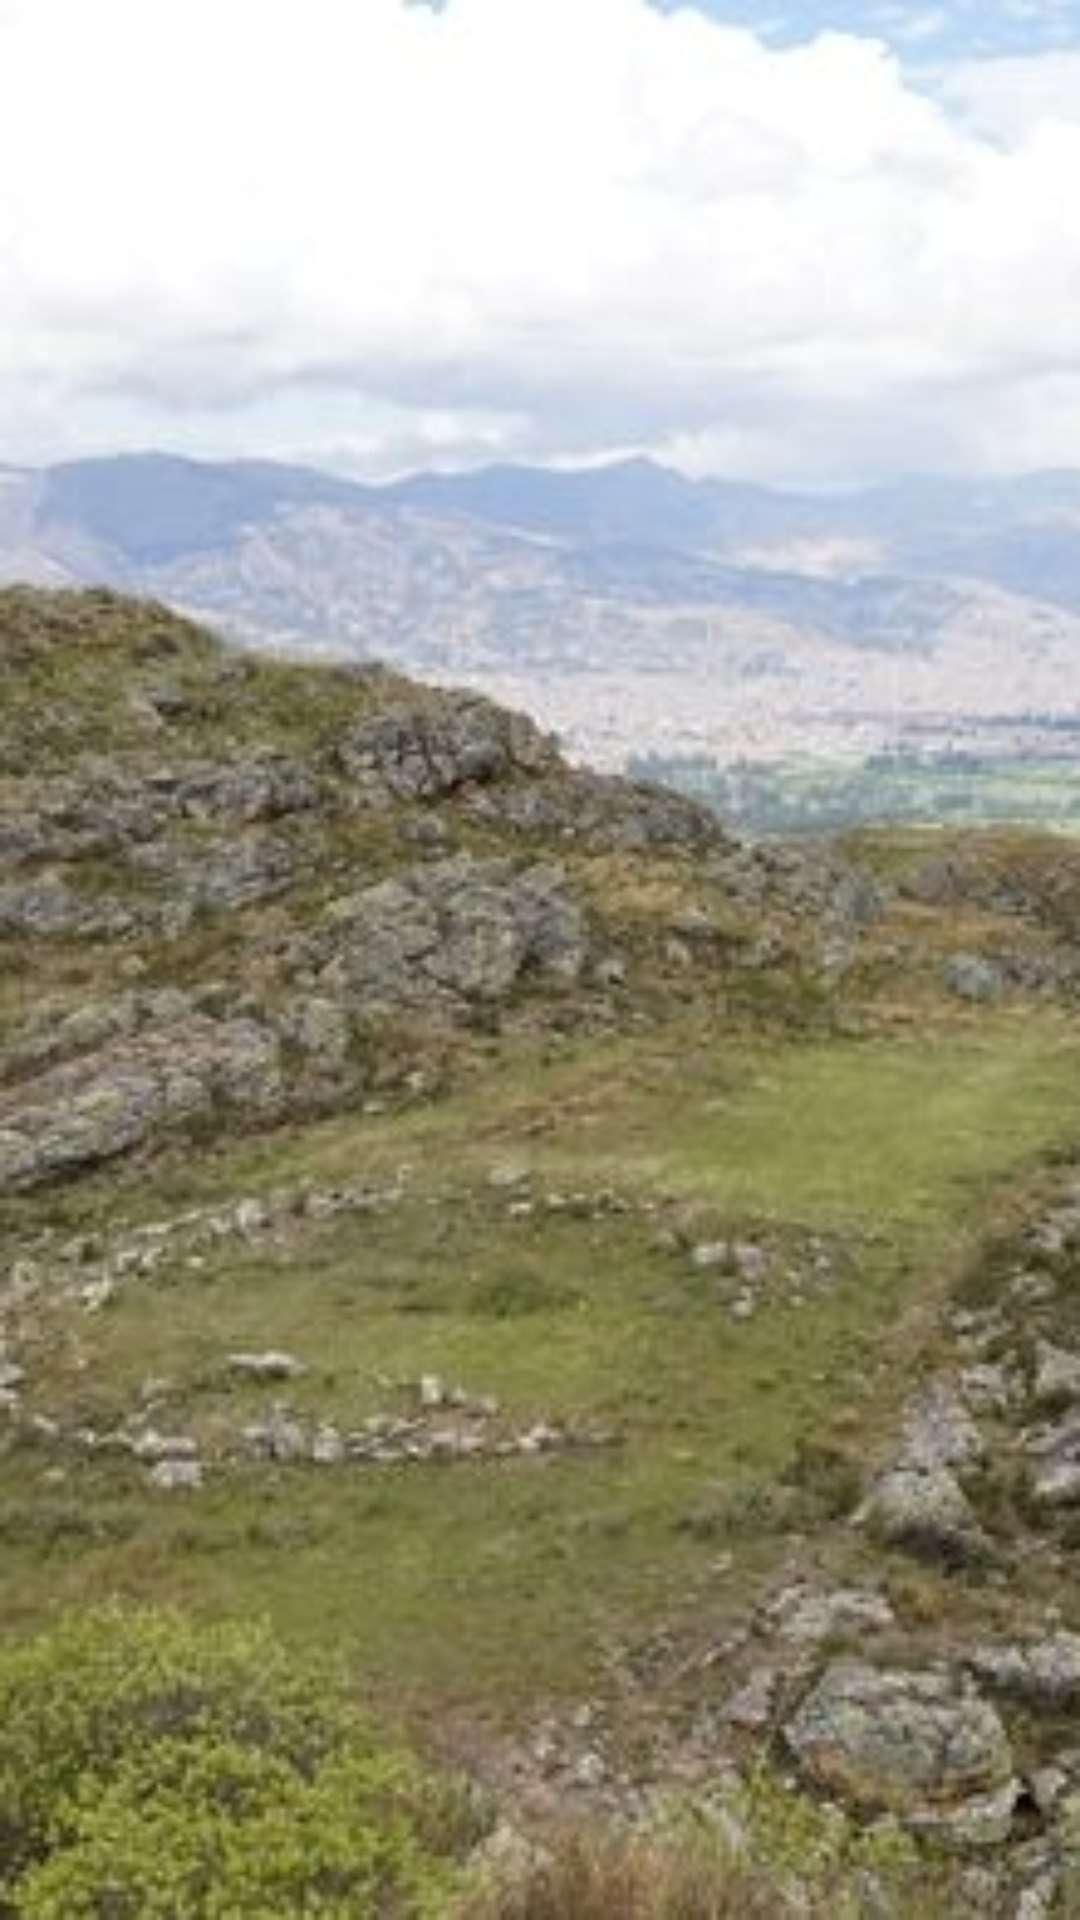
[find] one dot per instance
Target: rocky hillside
(613, 1283)
(233, 892)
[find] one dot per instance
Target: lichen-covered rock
(103, 1104)
(805, 1617)
(1057, 1374)
(48, 908)
(939, 1431)
(899, 1741)
(926, 1512)
(1044, 1674)
(1054, 1455)
(427, 751)
(457, 932)
(972, 977)
(218, 875)
(599, 811)
(270, 1365)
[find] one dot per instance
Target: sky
(803, 243)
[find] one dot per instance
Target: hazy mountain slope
(630, 606)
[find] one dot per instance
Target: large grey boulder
(459, 931)
(905, 1742)
(425, 752)
(165, 1077)
(926, 1512)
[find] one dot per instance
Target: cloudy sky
(803, 242)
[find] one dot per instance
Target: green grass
(499, 1582)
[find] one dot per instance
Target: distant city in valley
(801, 658)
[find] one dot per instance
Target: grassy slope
(497, 1583)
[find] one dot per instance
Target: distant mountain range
(628, 605)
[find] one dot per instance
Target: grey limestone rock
(177, 1476)
(938, 1430)
(806, 1616)
(926, 1512)
(972, 977)
(1044, 1674)
(1054, 1454)
(458, 932)
(168, 1075)
(426, 752)
(218, 875)
(902, 1741)
(49, 908)
(266, 1366)
(1057, 1373)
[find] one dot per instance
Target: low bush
(152, 1769)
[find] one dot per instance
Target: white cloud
(1010, 99)
(364, 228)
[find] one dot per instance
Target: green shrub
(149, 1767)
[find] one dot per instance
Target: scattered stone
(710, 1254)
(279, 1438)
(176, 1475)
(750, 1261)
(972, 977)
(1057, 1374)
(590, 1770)
(1055, 1476)
(153, 1446)
(753, 1707)
(1047, 1785)
(806, 1617)
(1032, 1289)
(507, 1177)
(266, 1366)
(988, 1389)
(328, 1447)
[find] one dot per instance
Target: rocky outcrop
(108, 806)
(456, 933)
(217, 875)
(416, 752)
(918, 1503)
(48, 908)
(600, 812)
(925, 1511)
(157, 1079)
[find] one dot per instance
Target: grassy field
(502, 1582)
(813, 793)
